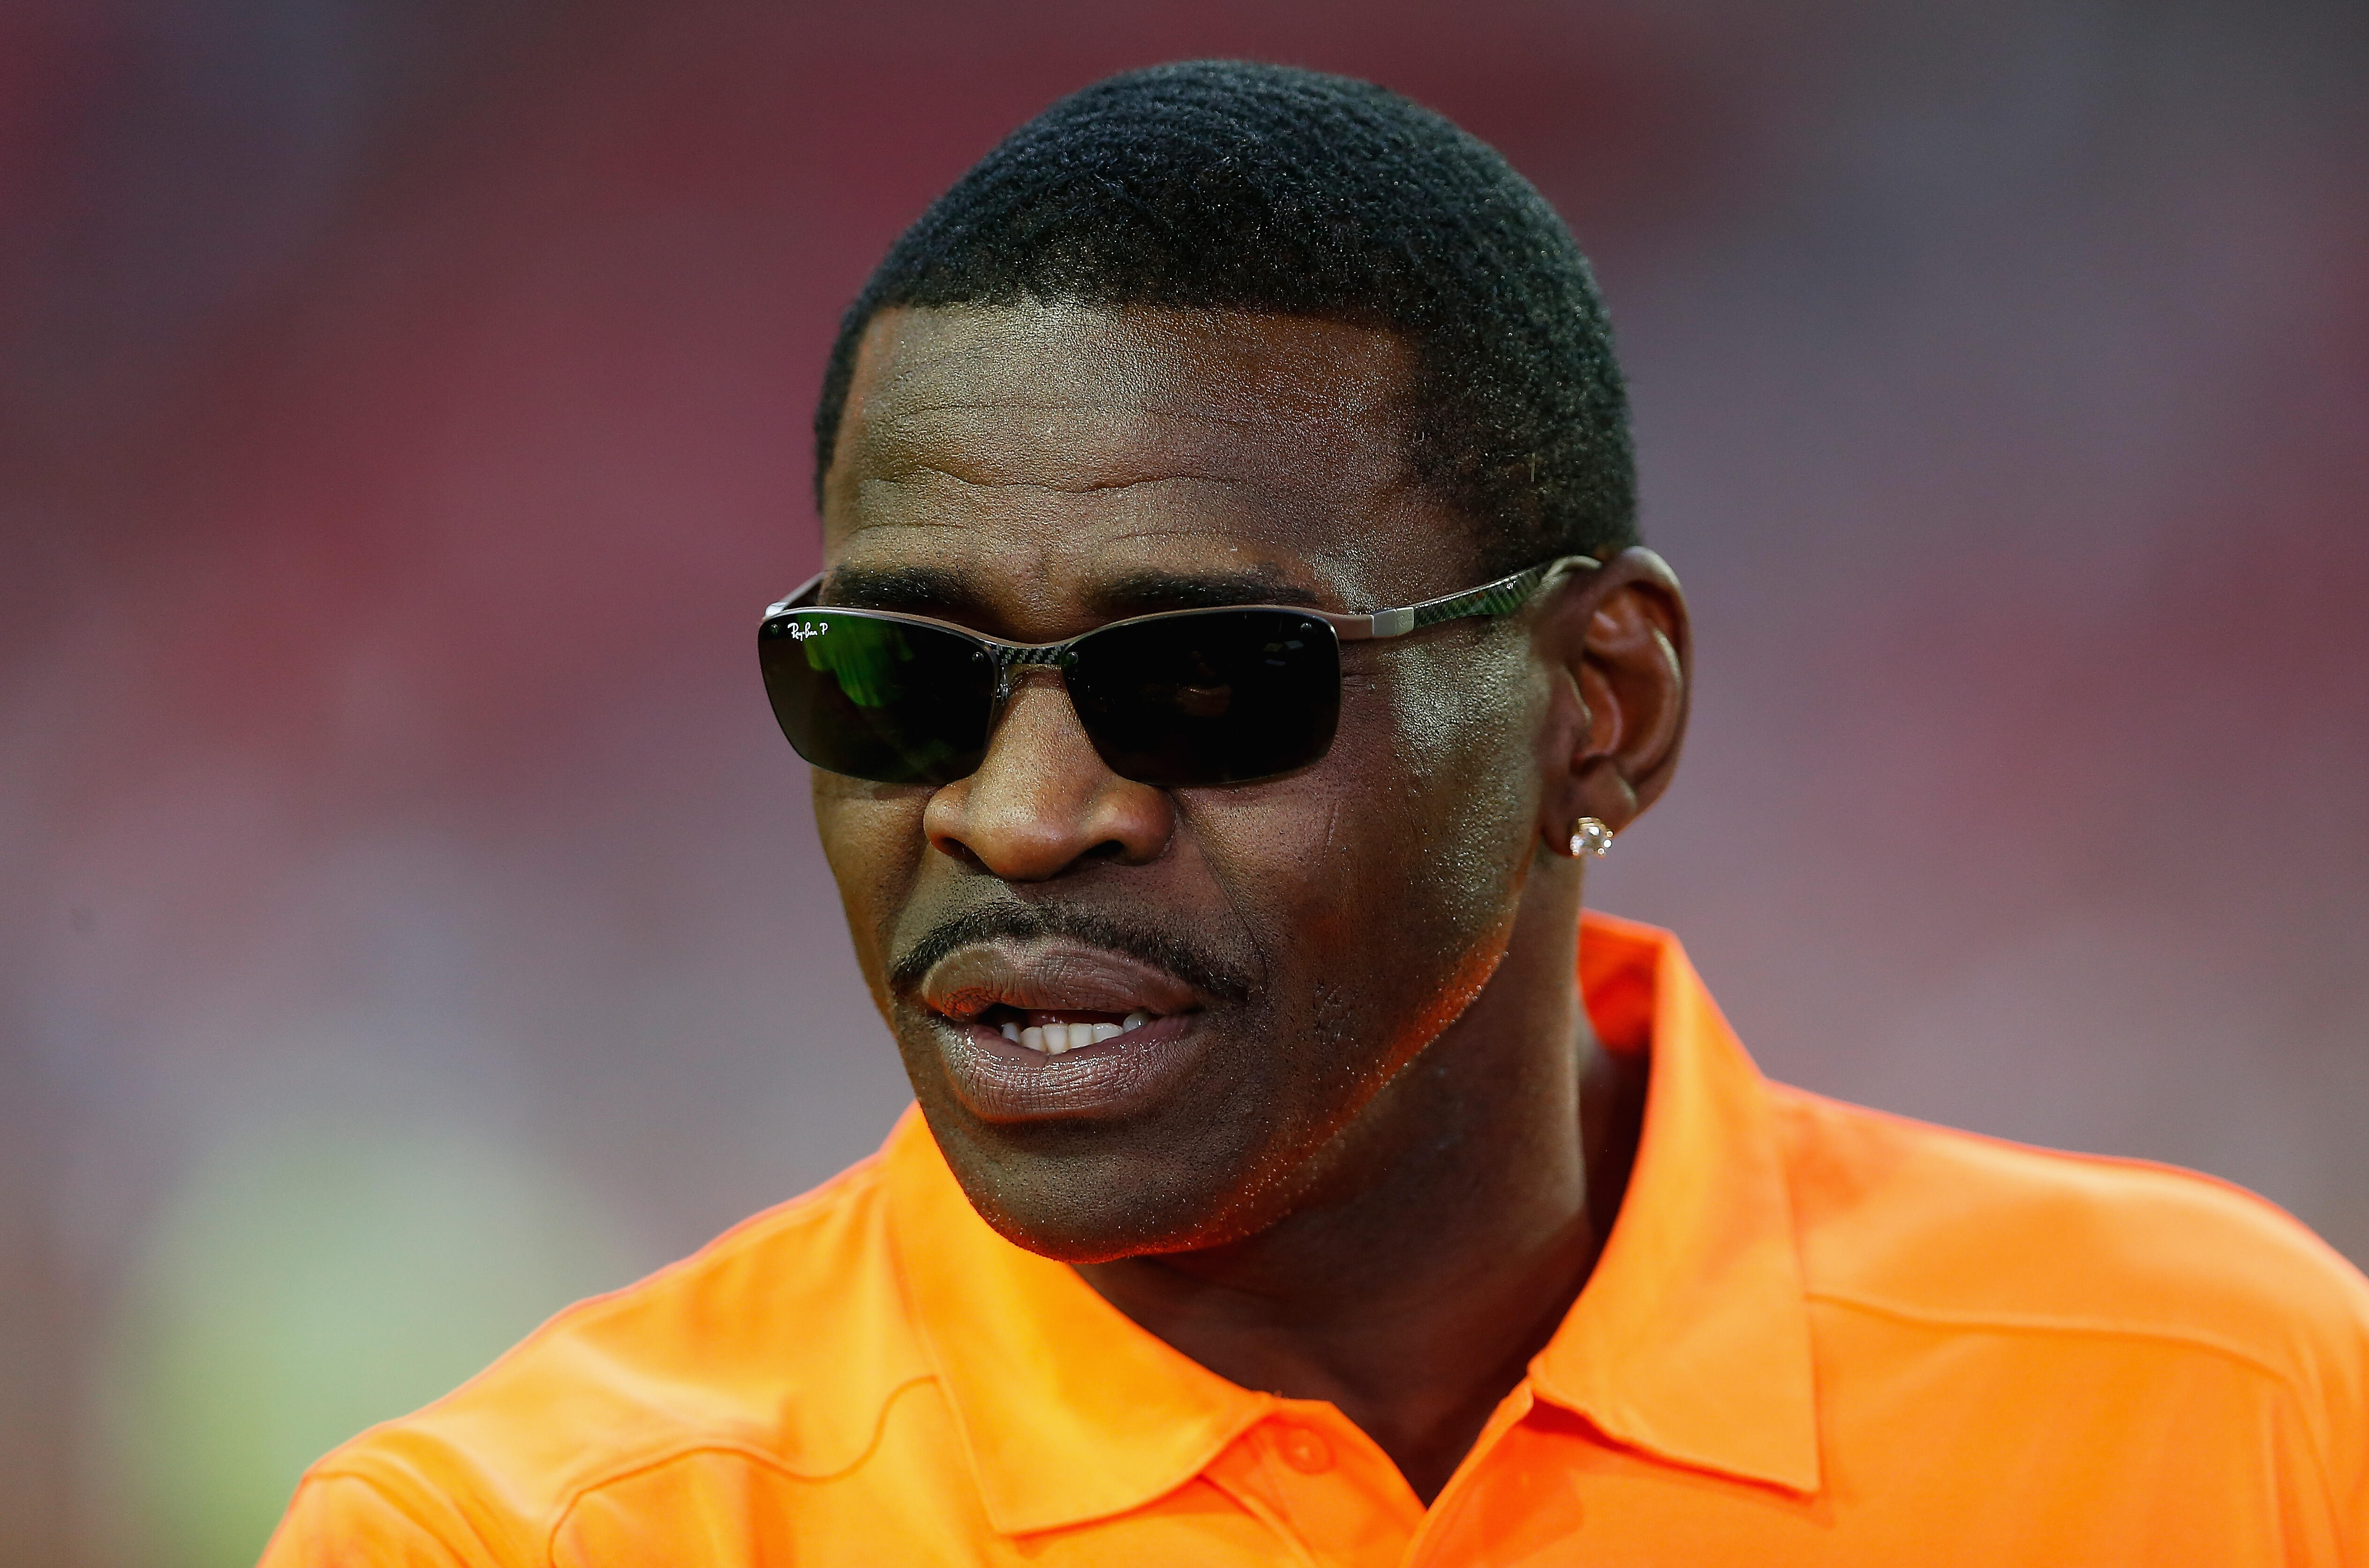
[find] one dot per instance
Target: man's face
(1283, 949)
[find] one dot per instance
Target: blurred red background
(409, 918)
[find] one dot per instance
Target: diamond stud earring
(1590, 836)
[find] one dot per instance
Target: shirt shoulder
(783, 1341)
(1927, 1223)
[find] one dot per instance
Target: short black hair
(1225, 184)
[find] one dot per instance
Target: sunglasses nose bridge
(1014, 665)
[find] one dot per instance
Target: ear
(1620, 657)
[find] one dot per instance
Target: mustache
(1197, 967)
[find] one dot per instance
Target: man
(1233, 644)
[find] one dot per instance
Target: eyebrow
(915, 590)
(1143, 593)
(936, 591)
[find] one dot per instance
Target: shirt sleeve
(343, 1521)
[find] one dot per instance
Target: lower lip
(999, 1079)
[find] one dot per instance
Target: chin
(1058, 1212)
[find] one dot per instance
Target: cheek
(872, 838)
(1383, 882)
(1460, 715)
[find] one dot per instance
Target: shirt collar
(1690, 1340)
(1069, 1411)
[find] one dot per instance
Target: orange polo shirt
(1816, 1335)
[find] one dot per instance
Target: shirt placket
(1316, 1478)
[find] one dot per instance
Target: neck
(1449, 1231)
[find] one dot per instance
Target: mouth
(1057, 1028)
(1056, 1032)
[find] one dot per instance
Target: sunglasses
(1183, 697)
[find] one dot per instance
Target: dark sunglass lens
(877, 699)
(1221, 696)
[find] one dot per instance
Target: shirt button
(1304, 1450)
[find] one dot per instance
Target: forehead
(1048, 444)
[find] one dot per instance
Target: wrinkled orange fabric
(1817, 1334)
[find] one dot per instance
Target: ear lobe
(1627, 661)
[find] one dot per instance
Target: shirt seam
(658, 1459)
(2176, 1175)
(2010, 1322)
(830, 1193)
(396, 1506)
(2289, 1392)
(893, 1203)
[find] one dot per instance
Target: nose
(1043, 802)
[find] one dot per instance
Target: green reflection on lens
(862, 656)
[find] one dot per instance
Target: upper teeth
(1055, 1038)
